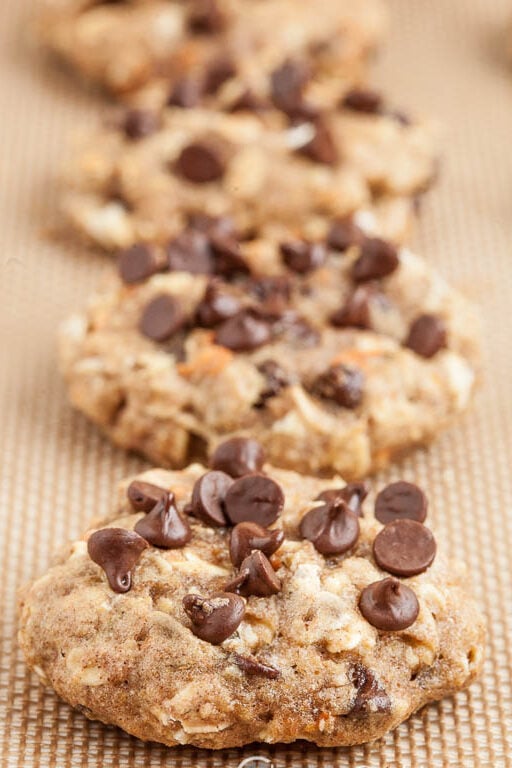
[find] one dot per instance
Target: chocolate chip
(377, 259)
(139, 123)
(208, 498)
(401, 501)
(404, 548)
(322, 147)
(276, 379)
(163, 526)
(254, 498)
(117, 551)
(427, 335)
(213, 226)
(214, 618)
(342, 384)
(256, 577)
(363, 100)
(272, 291)
(288, 83)
(302, 256)
(246, 330)
(389, 605)
(161, 318)
(248, 102)
(201, 162)
(370, 696)
(228, 257)
(187, 93)
(343, 233)
(190, 252)
(137, 263)
(216, 306)
(218, 72)
(238, 456)
(248, 536)
(296, 329)
(355, 313)
(353, 494)
(143, 496)
(252, 666)
(332, 528)
(205, 17)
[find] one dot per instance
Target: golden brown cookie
(296, 615)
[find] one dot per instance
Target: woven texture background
(444, 58)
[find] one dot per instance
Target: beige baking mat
(56, 471)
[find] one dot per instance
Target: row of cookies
(264, 312)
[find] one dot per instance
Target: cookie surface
(335, 360)
(144, 178)
(153, 46)
(330, 647)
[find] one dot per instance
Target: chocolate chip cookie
(218, 51)
(146, 176)
(216, 608)
(336, 354)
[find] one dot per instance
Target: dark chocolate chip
(216, 306)
(246, 330)
(252, 666)
(208, 498)
(288, 83)
(248, 536)
(137, 263)
(341, 384)
(214, 618)
(161, 318)
(355, 313)
(332, 527)
(427, 335)
(201, 162)
(343, 233)
(272, 291)
(228, 257)
(248, 102)
(144, 496)
(377, 259)
(139, 123)
(256, 577)
(219, 71)
(163, 526)
(117, 551)
(213, 226)
(401, 501)
(296, 329)
(254, 498)
(302, 256)
(363, 100)
(404, 548)
(238, 456)
(321, 148)
(276, 379)
(187, 93)
(205, 17)
(353, 494)
(389, 605)
(190, 252)
(370, 696)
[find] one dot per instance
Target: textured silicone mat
(445, 58)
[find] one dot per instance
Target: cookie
(337, 356)
(216, 51)
(296, 615)
(145, 177)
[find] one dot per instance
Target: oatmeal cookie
(338, 355)
(145, 176)
(216, 610)
(213, 50)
